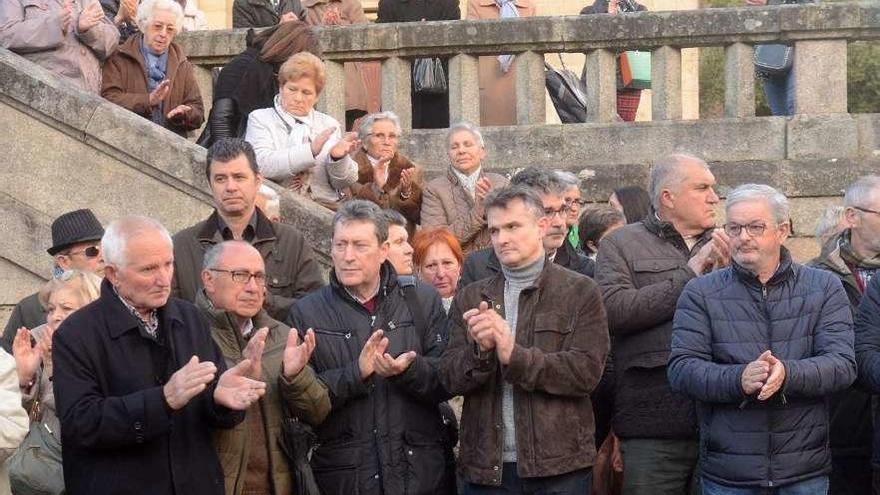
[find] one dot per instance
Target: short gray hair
(501, 198)
(465, 126)
(212, 256)
(148, 7)
(394, 217)
(826, 227)
(358, 210)
(570, 179)
(122, 230)
(666, 172)
(272, 198)
(750, 192)
(366, 127)
(862, 191)
(542, 180)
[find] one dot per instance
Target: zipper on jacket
(769, 411)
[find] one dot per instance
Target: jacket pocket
(280, 285)
(335, 469)
(427, 472)
(551, 332)
(333, 349)
(35, 8)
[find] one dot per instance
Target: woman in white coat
(13, 417)
(299, 146)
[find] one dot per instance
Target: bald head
(234, 277)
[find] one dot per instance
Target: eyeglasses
(576, 203)
(753, 229)
(90, 252)
(386, 137)
(243, 276)
(562, 211)
(867, 210)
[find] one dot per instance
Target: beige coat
(445, 203)
(13, 418)
(363, 83)
(31, 29)
(497, 89)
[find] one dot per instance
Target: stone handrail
(819, 33)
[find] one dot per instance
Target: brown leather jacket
(561, 344)
(389, 196)
(124, 83)
(445, 203)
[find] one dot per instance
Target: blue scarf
(156, 67)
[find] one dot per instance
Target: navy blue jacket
(725, 320)
(119, 435)
(867, 329)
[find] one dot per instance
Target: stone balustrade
(819, 32)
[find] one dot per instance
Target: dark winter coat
(484, 264)
(642, 269)
(727, 319)
(561, 344)
(261, 13)
(119, 435)
(851, 423)
(382, 435)
(867, 330)
(27, 313)
(290, 264)
(429, 111)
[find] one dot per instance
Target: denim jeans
(660, 467)
(779, 91)
(574, 483)
(812, 486)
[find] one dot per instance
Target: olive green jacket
(305, 394)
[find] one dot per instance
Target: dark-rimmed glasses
(243, 276)
(753, 229)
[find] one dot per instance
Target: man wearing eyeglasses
(642, 269)
(853, 256)
(551, 187)
(76, 245)
(234, 280)
(385, 176)
(291, 267)
(761, 346)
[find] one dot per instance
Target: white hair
(826, 227)
(122, 230)
(569, 178)
(750, 192)
(366, 127)
(666, 173)
(465, 126)
(862, 191)
(273, 201)
(147, 8)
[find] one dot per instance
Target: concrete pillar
(530, 89)
(396, 87)
(739, 81)
(666, 83)
(464, 88)
(820, 76)
(332, 100)
(600, 74)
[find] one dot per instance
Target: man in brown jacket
(291, 268)
(525, 355)
(234, 277)
(642, 268)
(150, 74)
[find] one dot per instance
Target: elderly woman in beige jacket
(455, 200)
(298, 146)
(13, 417)
(69, 38)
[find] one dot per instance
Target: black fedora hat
(73, 227)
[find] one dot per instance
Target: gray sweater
(515, 280)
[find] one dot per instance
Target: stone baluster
(332, 100)
(464, 89)
(601, 85)
(820, 76)
(739, 81)
(396, 87)
(666, 83)
(530, 89)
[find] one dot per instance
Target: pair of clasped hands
(489, 331)
(763, 376)
(239, 386)
(88, 18)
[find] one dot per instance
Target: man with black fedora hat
(76, 244)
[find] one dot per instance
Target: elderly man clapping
(150, 74)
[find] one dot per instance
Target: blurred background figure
(632, 201)
(595, 224)
(269, 202)
(438, 259)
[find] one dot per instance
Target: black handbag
(774, 59)
(297, 442)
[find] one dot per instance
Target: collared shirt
(247, 327)
(151, 324)
(248, 234)
(375, 161)
(369, 303)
